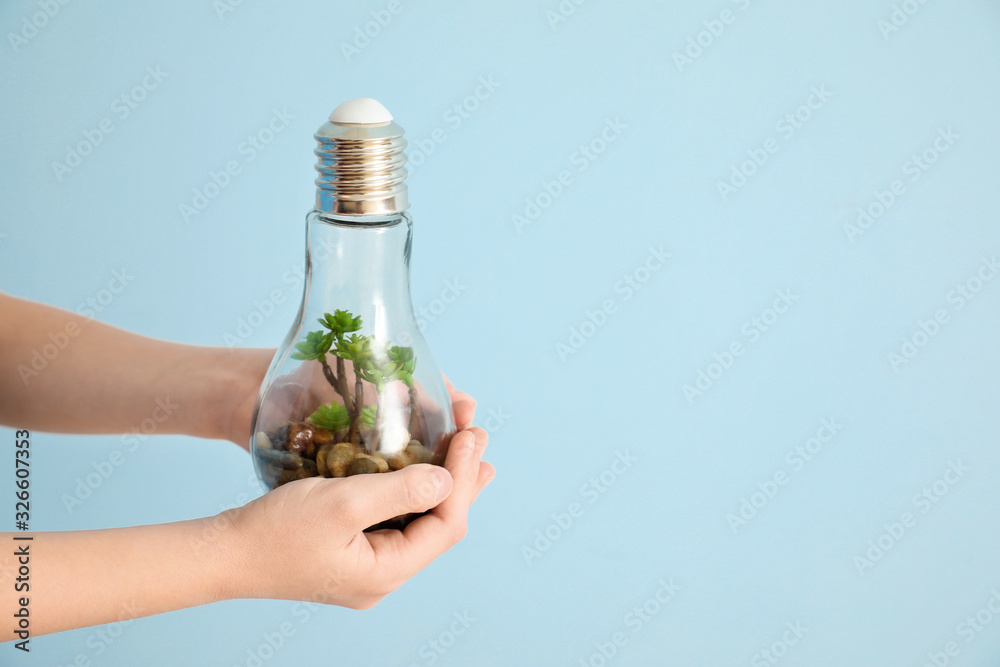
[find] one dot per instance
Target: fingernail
(442, 483)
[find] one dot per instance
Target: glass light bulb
(353, 389)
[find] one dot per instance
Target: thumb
(378, 497)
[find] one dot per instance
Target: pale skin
(106, 380)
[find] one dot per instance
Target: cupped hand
(305, 540)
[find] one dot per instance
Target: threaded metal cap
(362, 167)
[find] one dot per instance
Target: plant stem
(376, 426)
(342, 385)
(330, 376)
(338, 381)
(359, 395)
(416, 416)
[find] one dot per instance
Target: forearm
(65, 373)
(81, 578)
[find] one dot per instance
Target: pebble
(419, 452)
(322, 437)
(383, 465)
(362, 465)
(287, 476)
(311, 451)
(321, 453)
(400, 460)
(300, 440)
(339, 458)
(279, 435)
(309, 468)
(276, 457)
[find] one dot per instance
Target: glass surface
(355, 336)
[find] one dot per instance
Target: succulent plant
(332, 417)
(379, 365)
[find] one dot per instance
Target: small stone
(419, 452)
(261, 441)
(278, 434)
(300, 440)
(400, 460)
(339, 458)
(279, 458)
(383, 465)
(287, 476)
(363, 465)
(321, 453)
(322, 437)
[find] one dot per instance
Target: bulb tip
(361, 111)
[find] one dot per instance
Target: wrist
(223, 547)
(243, 376)
(225, 383)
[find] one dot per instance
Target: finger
(463, 464)
(431, 535)
(463, 406)
(464, 411)
(362, 501)
(486, 474)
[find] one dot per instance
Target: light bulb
(353, 389)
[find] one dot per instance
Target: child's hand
(304, 540)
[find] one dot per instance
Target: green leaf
(315, 346)
(333, 417)
(403, 357)
(354, 348)
(340, 322)
(368, 415)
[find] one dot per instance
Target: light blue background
(564, 420)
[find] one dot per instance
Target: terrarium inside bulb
(374, 420)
